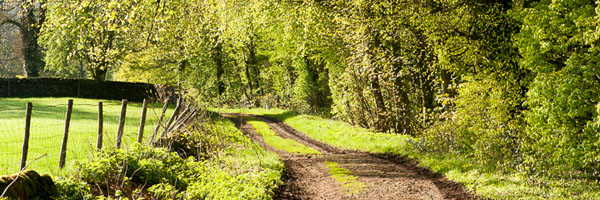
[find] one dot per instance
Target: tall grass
(47, 128)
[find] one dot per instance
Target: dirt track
(383, 176)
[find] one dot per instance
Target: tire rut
(384, 176)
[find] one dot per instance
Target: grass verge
(271, 138)
(458, 168)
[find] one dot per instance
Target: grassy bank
(485, 183)
(47, 128)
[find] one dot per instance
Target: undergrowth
(231, 166)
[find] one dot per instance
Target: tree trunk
(99, 73)
(403, 119)
(252, 71)
(379, 103)
(426, 96)
(425, 84)
(249, 77)
(375, 86)
(446, 79)
(218, 59)
(33, 61)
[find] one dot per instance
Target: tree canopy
(511, 83)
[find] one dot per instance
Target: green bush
(163, 191)
(114, 169)
(484, 124)
(73, 189)
(563, 125)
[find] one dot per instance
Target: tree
(388, 67)
(27, 16)
(482, 84)
(10, 55)
(90, 32)
(301, 47)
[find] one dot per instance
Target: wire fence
(48, 126)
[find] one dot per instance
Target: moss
(348, 181)
(29, 185)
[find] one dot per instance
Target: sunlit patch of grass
(334, 132)
(271, 138)
(349, 182)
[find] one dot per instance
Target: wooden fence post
(79, 87)
(121, 122)
(26, 137)
(63, 149)
(142, 122)
(100, 126)
(160, 119)
(175, 115)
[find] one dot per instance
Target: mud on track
(382, 176)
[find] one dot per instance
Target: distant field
(47, 127)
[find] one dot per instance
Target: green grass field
(47, 128)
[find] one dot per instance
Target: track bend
(380, 176)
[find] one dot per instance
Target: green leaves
(523, 79)
(554, 43)
(90, 33)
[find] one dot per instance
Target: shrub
(117, 169)
(558, 44)
(73, 189)
(163, 191)
(484, 125)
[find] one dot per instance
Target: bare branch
(9, 21)
(19, 174)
